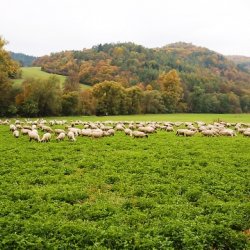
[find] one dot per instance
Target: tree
(70, 101)
(134, 98)
(172, 90)
(43, 95)
(110, 98)
(153, 102)
(8, 69)
(87, 102)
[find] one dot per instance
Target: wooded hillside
(210, 81)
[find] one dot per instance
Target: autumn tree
(153, 102)
(134, 100)
(171, 89)
(110, 98)
(8, 69)
(40, 97)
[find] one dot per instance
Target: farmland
(160, 192)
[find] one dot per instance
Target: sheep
(147, 129)
(60, 137)
(247, 133)
(119, 127)
(86, 132)
(227, 132)
(127, 131)
(12, 127)
(209, 132)
(169, 129)
(59, 131)
(47, 129)
(33, 136)
(76, 131)
(25, 131)
(111, 132)
(16, 133)
(97, 133)
(189, 132)
(71, 136)
(138, 134)
(46, 137)
(180, 131)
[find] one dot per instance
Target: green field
(161, 192)
(36, 72)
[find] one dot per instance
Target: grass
(164, 192)
(36, 72)
(166, 117)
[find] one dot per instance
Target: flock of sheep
(73, 129)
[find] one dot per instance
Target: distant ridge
(23, 59)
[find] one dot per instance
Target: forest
(126, 78)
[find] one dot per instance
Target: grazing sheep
(181, 131)
(59, 131)
(138, 134)
(147, 129)
(169, 129)
(76, 131)
(47, 129)
(33, 136)
(190, 132)
(25, 131)
(46, 137)
(71, 136)
(111, 132)
(86, 132)
(16, 133)
(209, 132)
(247, 133)
(127, 131)
(227, 132)
(12, 127)
(119, 127)
(97, 133)
(60, 137)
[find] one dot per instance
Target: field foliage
(161, 192)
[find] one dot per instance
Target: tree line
(126, 80)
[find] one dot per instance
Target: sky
(39, 27)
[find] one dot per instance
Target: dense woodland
(128, 79)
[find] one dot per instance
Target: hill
(243, 62)
(211, 82)
(36, 72)
(23, 59)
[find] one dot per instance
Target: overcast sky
(38, 27)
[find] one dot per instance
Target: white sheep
(147, 129)
(59, 131)
(60, 137)
(227, 132)
(209, 132)
(189, 132)
(12, 127)
(97, 133)
(127, 131)
(16, 133)
(86, 132)
(71, 136)
(46, 137)
(33, 136)
(247, 133)
(138, 134)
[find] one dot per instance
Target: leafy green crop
(161, 192)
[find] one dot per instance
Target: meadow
(36, 72)
(160, 192)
